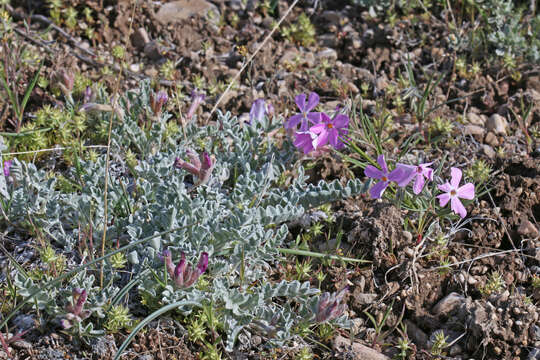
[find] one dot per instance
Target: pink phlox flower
(305, 141)
(419, 173)
(330, 130)
(183, 274)
(453, 192)
(398, 175)
(305, 116)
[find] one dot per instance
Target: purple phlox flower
(196, 99)
(183, 274)
(330, 130)
(75, 311)
(305, 116)
(201, 167)
(398, 175)
(305, 141)
(453, 192)
(259, 109)
(330, 307)
(7, 167)
(419, 173)
(157, 101)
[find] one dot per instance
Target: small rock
(184, 9)
(491, 139)
(475, 130)
(328, 40)
(475, 119)
(417, 335)
(352, 87)
(527, 228)
(332, 17)
(327, 54)
(22, 344)
(151, 72)
(256, 340)
(140, 38)
(153, 51)
(364, 299)
(103, 346)
(407, 235)
(134, 68)
(497, 124)
(448, 304)
(488, 151)
(358, 351)
(455, 349)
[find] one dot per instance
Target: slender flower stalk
(453, 192)
(183, 274)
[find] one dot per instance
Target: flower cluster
(183, 274)
(201, 168)
(317, 129)
(75, 312)
(157, 101)
(403, 174)
(330, 307)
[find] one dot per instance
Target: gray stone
(356, 350)
(497, 124)
(488, 151)
(184, 9)
(448, 304)
(364, 299)
(140, 38)
(475, 119)
(527, 228)
(474, 130)
(328, 40)
(327, 54)
(491, 139)
(417, 335)
(103, 346)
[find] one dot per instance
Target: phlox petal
(293, 121)
(323, 139)
(418, 184)
(372, 172)
(458, 207)
(333, 137)
(443, 199)
(398, 175)
(456, 177)
(301, 101)
(382, 163)
(312, 101)
(377, 190)
(315, 117)
(319, 128)
(341, 121)
(446, 187)
(466, 191)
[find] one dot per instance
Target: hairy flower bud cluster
(330, 306)
(200, 167)
(183, 274)
(75, 311)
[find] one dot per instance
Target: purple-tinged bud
(168, 262)
(87, 94)
(157, 101)
(194, 158)
(7, 167)
(206, 161)
(203, 263)
(81, 299)
(330, 307)
(181, 164)
(196, 99)
(257, 112)
(179, 272)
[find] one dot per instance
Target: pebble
(140, 38)
(327, 53)
(134, 68)
(184, 9)
(448, 304)
(491, 139)
(358, 351)
(497, 124)
(364, 299)
(474, 130)
(488, 151)
(527, 228)
(328, 40)
(475, 119)
(407, 235)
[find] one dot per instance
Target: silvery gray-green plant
(238, 218)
